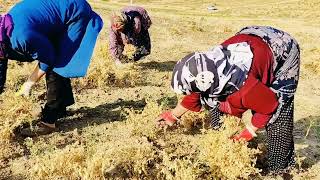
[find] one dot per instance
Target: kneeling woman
(61, 35)
(257, 70)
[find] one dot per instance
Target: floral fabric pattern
(286, 54)
(214, 74)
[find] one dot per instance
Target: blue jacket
(61, 35)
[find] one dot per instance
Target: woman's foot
(41, 128)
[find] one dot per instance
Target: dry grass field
(110, 132)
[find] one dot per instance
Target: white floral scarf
(214, 74)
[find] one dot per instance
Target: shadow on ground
(160, 66)
(307, 141)
(105, 113)
(307, 144)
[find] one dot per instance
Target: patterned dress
(286, 54)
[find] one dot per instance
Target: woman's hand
(166, 119)
(25, 89)
(227, 108)
(36, 75)
(169, 118)
(247, 134)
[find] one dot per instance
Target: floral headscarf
(214, 74)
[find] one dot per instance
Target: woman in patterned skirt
(257, 70)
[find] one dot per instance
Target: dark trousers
(59, 96)
(143, 45)
(216, 121)
(280, 143)
(3, 74)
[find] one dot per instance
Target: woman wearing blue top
(61, 36)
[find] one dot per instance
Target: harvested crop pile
(129, 50)
(224, 155)
(12, 115)
(14, 112)
(103, 72)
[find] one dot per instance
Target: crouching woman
(257, 70)
(61, 36)
(130, 27)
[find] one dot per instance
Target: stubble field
(110, 132)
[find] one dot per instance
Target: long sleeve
(43, 52)
(44, 67)
(258, 97)
(192, 102)
(260, 120)
(115, 44)
(37, 46)
(226, 107)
